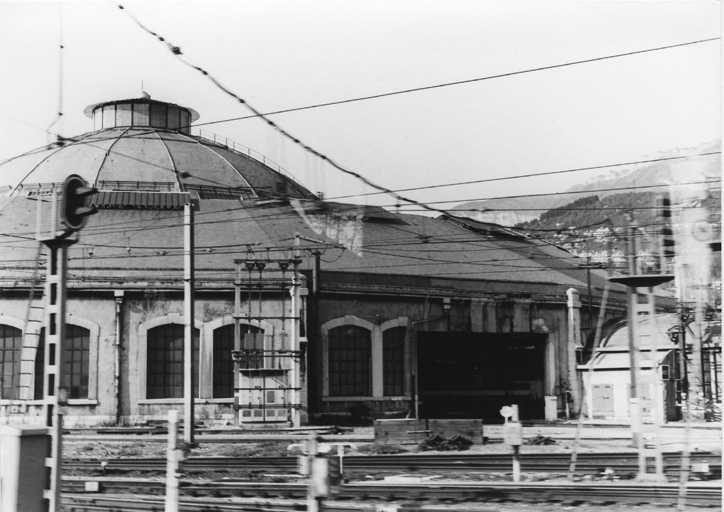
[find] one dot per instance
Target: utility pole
(588, 266)
(632, 299)
(296, 302)
(189, 369)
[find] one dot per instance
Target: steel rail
(588, 463)
(700, 495)
(86, 503)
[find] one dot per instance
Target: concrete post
(189, 415)
(172, 456)
(574, 341)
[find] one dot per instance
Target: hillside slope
(509, 212)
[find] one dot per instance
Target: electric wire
(134, 223)
(450, 84)
(552, 194)
(176, 51)
(535, 175)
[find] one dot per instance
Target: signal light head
(74, 213)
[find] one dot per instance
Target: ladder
(648, 389)
(34, 318)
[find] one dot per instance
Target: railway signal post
(73, 214)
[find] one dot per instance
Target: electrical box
(513, 433)
(303, 465)
(23, 471)
(665, 372)
(325, 475)
(320, 476)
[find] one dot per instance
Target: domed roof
(129, 155)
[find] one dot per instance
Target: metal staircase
(34, 318)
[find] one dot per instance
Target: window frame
(172, 332)
(15, 361)
(140, 351)
(347, 373)
(393, 379)
(245, 328)
(91, 331)
(377, 336)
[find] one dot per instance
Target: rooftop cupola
(141, 112)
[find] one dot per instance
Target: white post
(513, 436)
(313, 501)
(172, 463)
(516, 448)
(188, 321)
(574, 341)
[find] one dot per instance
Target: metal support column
(189, 369)
(294, 372)
(54, 394)
(237, 342)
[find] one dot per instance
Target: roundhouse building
(305, 310)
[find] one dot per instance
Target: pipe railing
(245, 150)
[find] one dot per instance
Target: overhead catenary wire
(593, 191)
(176, 51)
(134, 223)
(538, 174)
(407, 208)
(457, 82)
(414, 239)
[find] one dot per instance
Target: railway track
(544, 463)
(282, 496)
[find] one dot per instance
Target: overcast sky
(287, 54)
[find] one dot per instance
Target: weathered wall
(147, 310)
(97, 315)
(140, 311)
(495, 315)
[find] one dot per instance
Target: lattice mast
(267, 364)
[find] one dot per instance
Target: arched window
(223, 363)
(350, 367)
(76, 363)
(76, 354)
(393, 361)
(11, 343)
(165, 362)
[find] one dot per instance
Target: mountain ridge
(664, 172)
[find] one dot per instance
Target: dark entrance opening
(473, 375)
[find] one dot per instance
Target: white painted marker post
(513, 436)
(172, 463)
